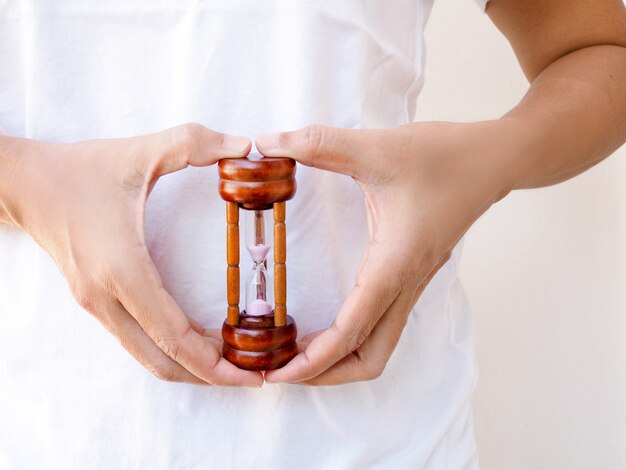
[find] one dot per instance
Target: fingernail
(235, 143)
(267, 142)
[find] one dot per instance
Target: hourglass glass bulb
(256, 229)
(258, 292)
(258, 287)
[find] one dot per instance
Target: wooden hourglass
(260, 337)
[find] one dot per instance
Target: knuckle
(358, 339)
(85, 296)
(372, 370)
(189, 133)
(164, 372)
(125, 271)
(186, 136)
(304, 365)
(112, 278)
(315, 136)
(85, 300)
(170, 346)
(353, 337)
(133, 175)
(102, 280)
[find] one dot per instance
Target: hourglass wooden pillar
(261, 336)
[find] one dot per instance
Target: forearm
(9, 159)
(573, 116)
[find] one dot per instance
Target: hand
(424, 185)
(84, 203)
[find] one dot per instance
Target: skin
(84, 204)
(424, 184)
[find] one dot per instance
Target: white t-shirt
(70, 396)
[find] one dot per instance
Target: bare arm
(574, 54)
(426, 183)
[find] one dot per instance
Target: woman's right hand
(84, 204)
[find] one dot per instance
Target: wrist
(503, 147)
(12, 168)
(487, 154)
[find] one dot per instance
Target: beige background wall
(545, 271)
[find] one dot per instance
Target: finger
(207, 332)
(311, 336)
(213, 333)
(304, 342)
(369, 361)
(373, 294)
(128, 332)
(197, 327)
(140, 291)
(189, 144)
(327, 148)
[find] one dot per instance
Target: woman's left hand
(424, 185)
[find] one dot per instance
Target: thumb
(189, 144)
(327, 148)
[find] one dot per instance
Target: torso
(75, 398)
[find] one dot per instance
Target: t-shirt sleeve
(482, 4)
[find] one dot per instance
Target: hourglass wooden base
(256, 344)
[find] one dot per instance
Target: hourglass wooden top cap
(256, 183)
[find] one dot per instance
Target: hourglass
(261, 336)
